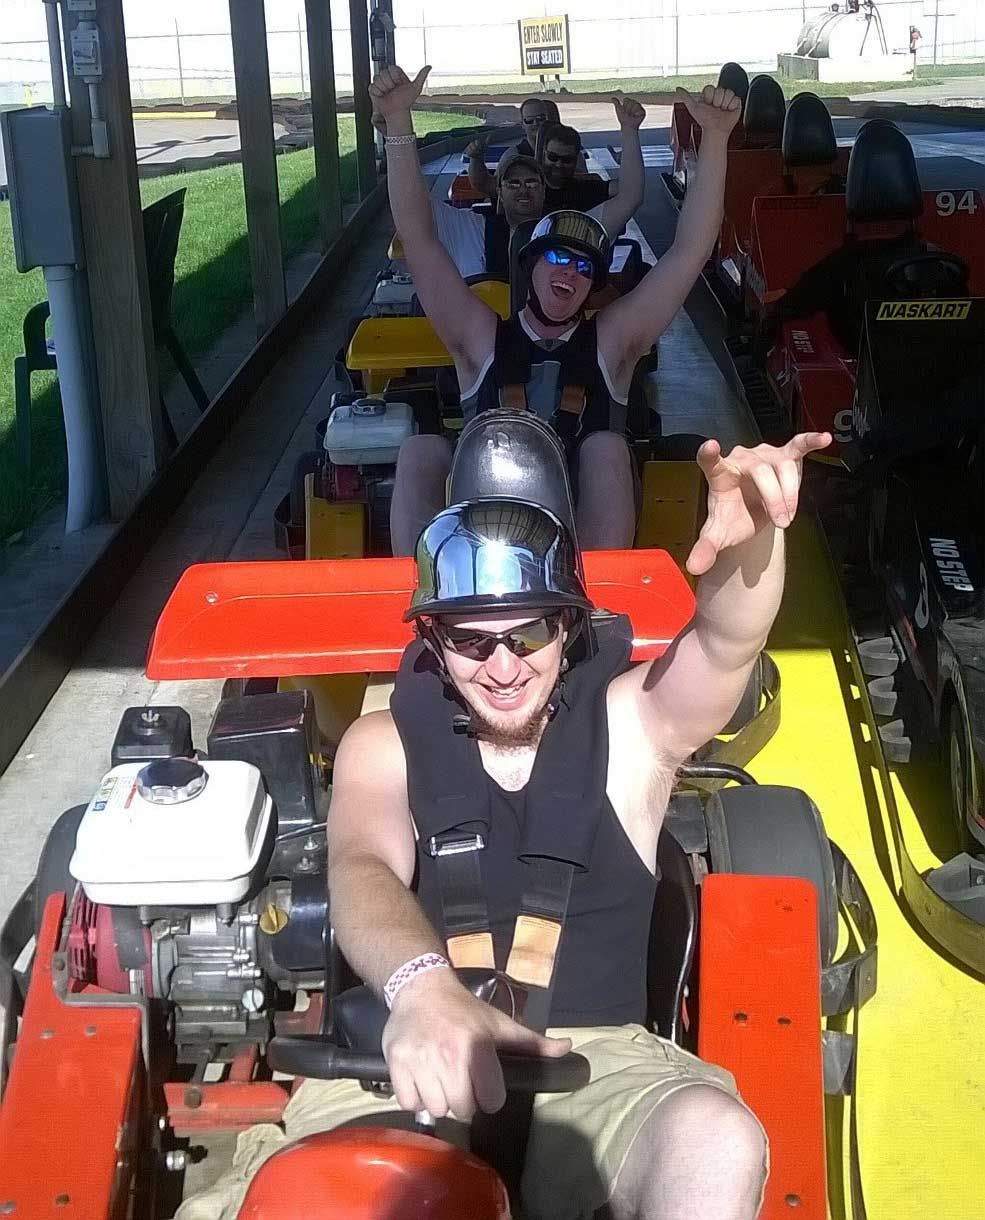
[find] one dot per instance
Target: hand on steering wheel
(440, 1044)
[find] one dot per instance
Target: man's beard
(505, 733)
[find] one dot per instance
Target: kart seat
(733, 76)
(356, 1016)
(810, 149)
(883, 201)
(764, 114)
(883, 183)
(512, 454)
(808, 133)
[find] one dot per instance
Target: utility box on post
(44, 205)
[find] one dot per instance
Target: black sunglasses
(480, 645)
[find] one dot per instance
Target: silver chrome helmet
(496, 554)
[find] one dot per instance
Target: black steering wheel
(932, 274)
(358, 1018)
(317, 1056)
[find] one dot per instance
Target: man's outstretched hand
(714, 109)
(393, 91)
(746, 490)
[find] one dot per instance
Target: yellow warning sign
(544, 46)
(923, 311)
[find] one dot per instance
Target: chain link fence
(661, 38)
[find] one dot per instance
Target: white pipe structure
(82, 432)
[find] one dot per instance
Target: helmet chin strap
(534, 305)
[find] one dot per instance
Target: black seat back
(514, 455)
(883, 183)
(519, 281)
(733, 76)
(808, 133)
(673, 938)
(766, 109)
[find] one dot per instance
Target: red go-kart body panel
(814, 378)
(791, 234)
(755, 932)
(374, 1173)
(758, 1016)
(462, 194)
(290, 619)
(756, 173)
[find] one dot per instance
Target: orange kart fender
(373, 1173)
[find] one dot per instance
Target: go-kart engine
(175, 902)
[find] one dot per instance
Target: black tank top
(562, 813)
(544, 368)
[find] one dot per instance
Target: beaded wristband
(398, 141)
(403, 974)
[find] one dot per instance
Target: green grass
(927, 74)
(212, 287)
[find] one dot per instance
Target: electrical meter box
(44, 205)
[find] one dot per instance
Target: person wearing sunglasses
(535, 114)
(518, 725)
(574, 373)
(559, 151)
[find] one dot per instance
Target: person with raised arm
(572, 371)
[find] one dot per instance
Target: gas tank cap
(170, 781)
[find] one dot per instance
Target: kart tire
(963, 781)
(772, 831)
(53, 876)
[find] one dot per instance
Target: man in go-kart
(504, 698)
(574, 373)
(553, 744)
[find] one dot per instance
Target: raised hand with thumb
(393, 92)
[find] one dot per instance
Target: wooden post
(324, 118)
(256, 135)
(362, 106)
(116, 269)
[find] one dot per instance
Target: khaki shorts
(633, 1072)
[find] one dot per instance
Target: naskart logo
(923, 311)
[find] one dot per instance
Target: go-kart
(799, 368)
(759, 129)
(195, 957)
(919, 483)
(399, 380)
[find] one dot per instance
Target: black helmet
(496, 554)
(570, 230)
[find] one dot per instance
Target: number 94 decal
(949, 202)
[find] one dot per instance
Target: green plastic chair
(162, 231)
